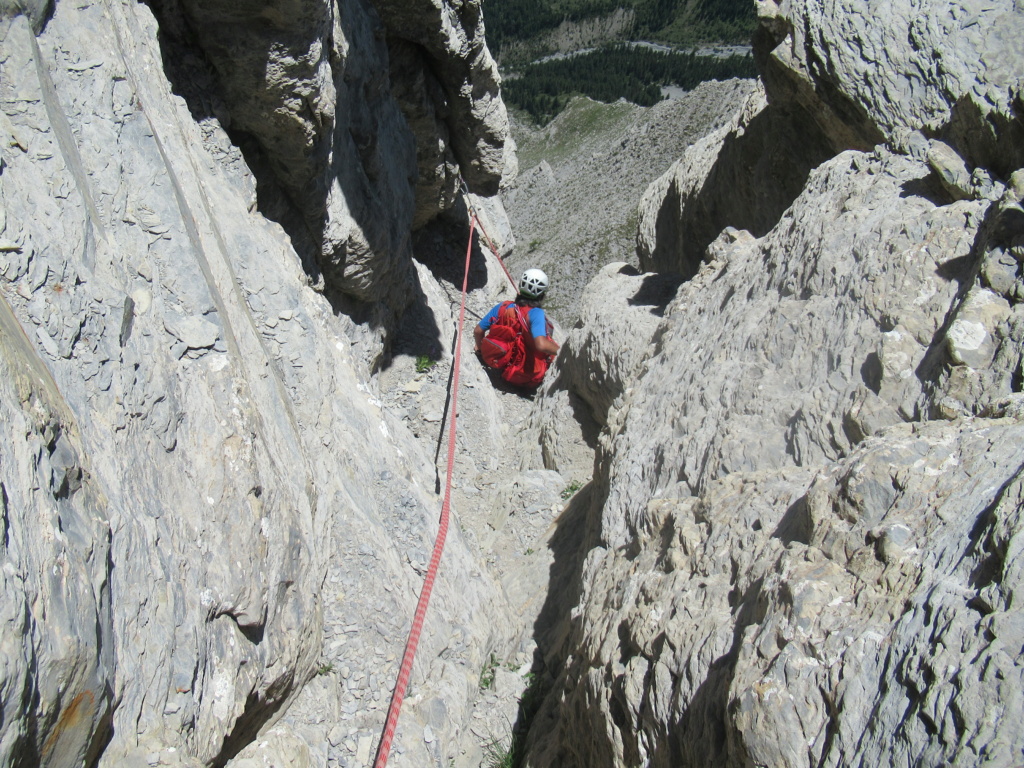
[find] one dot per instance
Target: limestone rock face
(464, 92)
(360, 119)
(743, 175)
(207, 521)
(782, 618)
(807, 336)
(55, 547)
(573, 207)
(847, 79)
(806, 490)
(945, 68)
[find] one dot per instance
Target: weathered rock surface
(335, 103)
(795, 546)
(798, 544)
(781, 618)
(944, 68)
(814, 336)
(743, 175)
(209, 525)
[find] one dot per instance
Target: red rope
(398, 696)
(495, 252)
(476, 216)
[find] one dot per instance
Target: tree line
(677, 22)
(612, 72)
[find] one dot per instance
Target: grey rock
(951, 170)
(752, 327)
(357, 97)
(193, 332)
(743, 175)
(792, 536)
(573, 206)
(951, 69)
(971, 336)
(177, 534)
(829, 590)
(38, 11)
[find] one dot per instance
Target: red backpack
(504, 347)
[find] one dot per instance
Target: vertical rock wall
(202, 503)
(359, 117)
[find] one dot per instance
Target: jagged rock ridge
(573, 204)
(799, 534)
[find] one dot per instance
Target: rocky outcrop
(806, 494)
(893, 72)
(570, 36)
(837, 81)
(743, 175)
(334, 103)
(463, 87)
(862, 615)
(208, 524)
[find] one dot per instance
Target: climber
(515, 336)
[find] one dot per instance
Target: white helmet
(533, 284)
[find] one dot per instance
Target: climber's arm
(545, 345)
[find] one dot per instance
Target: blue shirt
(538, 320)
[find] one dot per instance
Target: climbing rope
(476, 216)
(384, 748)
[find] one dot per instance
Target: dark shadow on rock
(1007, 226)
(441, 247)
(576, 533)
(928, 188)
(754, 178)
(796, 524)
(589, 427)
(260, 708)
(987, 139)
(656, 291)
(39, 13)
(292, 171)
(964, 270)
(418, 333)
(959, 269)
(872, 371)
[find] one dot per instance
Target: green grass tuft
(570, 490)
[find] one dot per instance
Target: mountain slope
(573, 206)
(521, 29)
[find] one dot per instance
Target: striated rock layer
(807, 495)
(359, 119)
(204, 511)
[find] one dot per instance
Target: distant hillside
(615, 71)
(574, 206)
(513, 23)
